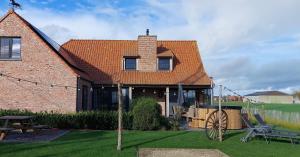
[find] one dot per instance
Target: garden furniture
(266, 132)
(261, 122)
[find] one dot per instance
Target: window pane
(84, 97)
(130, 63)
(164, 64)
(114, 97)
(5, 48)
(16, 48)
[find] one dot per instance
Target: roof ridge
(99, 40)
(126, 40)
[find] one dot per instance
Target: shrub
(102, 120)
(146, 114)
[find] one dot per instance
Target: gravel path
(173, 152)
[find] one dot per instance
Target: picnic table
(22, 123)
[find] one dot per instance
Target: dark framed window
(164, 64)
(10, 48)
(84, 97)
(130, 63)
(114, 97)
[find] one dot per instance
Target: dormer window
(165, 64)
(10, 48)
(130, 64)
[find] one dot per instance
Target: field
(277, 107)
(103, 144)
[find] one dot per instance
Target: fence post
(248, 108)
(263, 111)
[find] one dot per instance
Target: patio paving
(172, 152)
(42, 136)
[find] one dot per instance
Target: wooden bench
(4, 131)
(38, 128)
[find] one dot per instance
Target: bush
(102, 120)
(146, 114)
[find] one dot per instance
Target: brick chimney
(147, 50)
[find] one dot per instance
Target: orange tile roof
(101, 59)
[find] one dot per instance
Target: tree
(297, 94)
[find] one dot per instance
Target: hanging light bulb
(154, 92)
(144, 90)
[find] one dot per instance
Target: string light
(34, 82)
(235, 93)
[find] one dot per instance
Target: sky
(246, 45)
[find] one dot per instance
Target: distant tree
(297, 94)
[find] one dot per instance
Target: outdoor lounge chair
(261, 122)
(266, 132)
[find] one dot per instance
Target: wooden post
(167, 102)
(130, 95)
(220, 114)
(248, 108)
(120, 109)
(211, 91)
(263, 111)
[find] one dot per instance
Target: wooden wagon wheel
(212, 124)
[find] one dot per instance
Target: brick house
(83, 74)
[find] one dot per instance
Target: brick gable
(38, 63)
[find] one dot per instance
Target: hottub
(233, 112)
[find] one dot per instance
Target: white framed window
(165, 64)
(130, 63)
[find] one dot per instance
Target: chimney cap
(147, 32)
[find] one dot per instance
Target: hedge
(100, 120)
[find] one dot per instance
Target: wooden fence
(284, 119)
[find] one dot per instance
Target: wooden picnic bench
(4, 131)
(22, 123)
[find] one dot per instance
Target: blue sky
(247, 45)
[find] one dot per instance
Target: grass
(277, 107)
(103, 143)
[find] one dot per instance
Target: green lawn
(103, 144)
(277, 107)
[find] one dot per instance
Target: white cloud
(235, 37)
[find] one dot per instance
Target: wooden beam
(167, 102)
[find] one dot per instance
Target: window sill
(130, 70)
(164, 70)
(10, 59)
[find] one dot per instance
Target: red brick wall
(39, 63)
(147, 49)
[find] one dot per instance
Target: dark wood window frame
(11, 55)
(84, 98)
